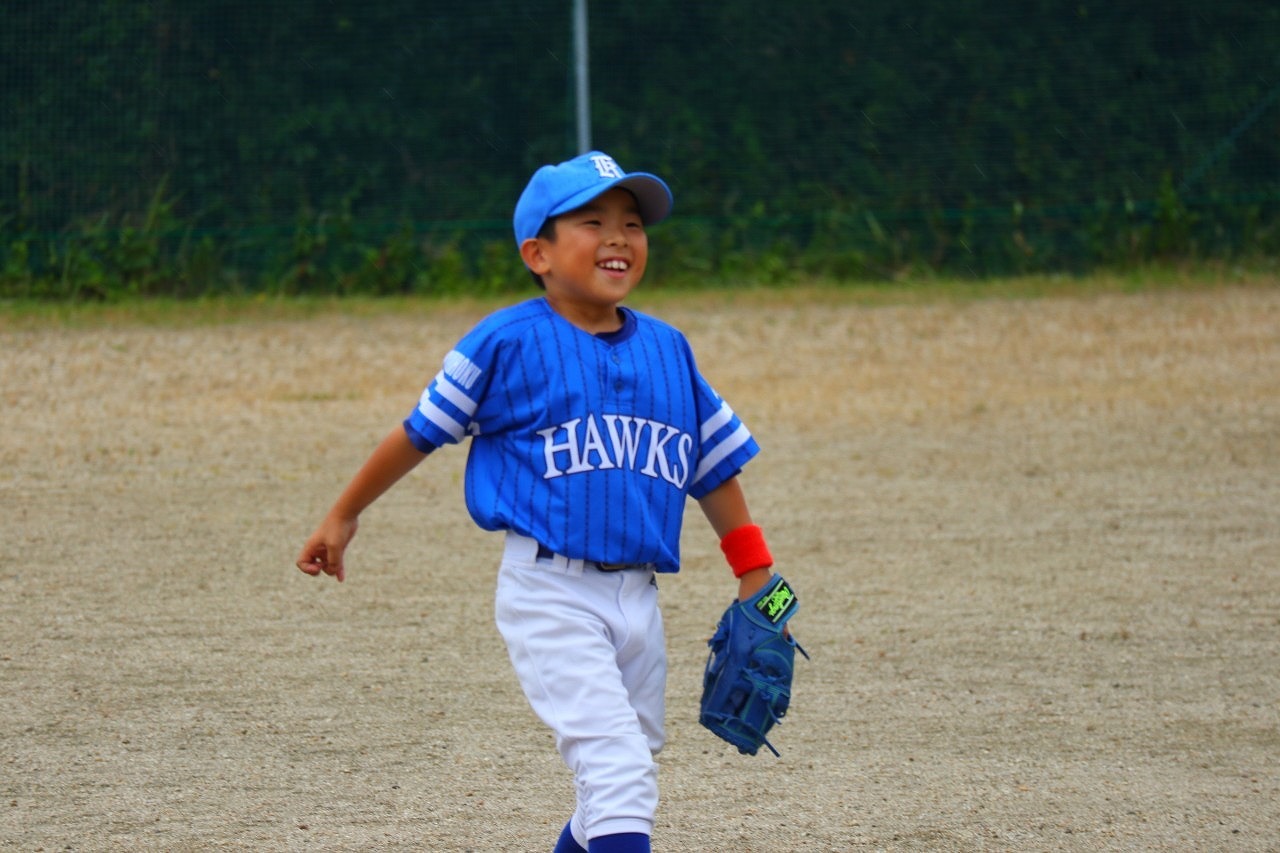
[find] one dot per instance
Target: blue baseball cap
(558, 189)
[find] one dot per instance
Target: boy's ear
(532, 255)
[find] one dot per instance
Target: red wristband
(745, 549)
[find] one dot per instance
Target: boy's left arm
(746, 686)
(726, 509)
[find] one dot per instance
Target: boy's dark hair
(546, 232)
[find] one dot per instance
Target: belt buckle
(545, 553)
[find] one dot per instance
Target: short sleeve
(448, 404)
(726, 445)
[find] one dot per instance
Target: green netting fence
(323, 146)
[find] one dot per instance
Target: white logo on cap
(606, 166)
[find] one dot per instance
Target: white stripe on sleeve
(438, 416)
(740, 437)
(713, 423)
(441, 419)
(451, 393)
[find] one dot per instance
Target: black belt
(545, 553)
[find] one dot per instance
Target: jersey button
(615, 358)
(617, 386)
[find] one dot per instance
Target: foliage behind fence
(304, 146)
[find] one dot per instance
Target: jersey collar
(628, 328)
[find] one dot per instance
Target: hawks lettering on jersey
(636, 444)
(589, 446)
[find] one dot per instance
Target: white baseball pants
(588, 648)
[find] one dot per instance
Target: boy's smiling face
(597, 257)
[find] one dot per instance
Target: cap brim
(652, 195)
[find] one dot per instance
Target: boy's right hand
(323, 551)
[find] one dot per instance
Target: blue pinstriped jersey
(588, 444)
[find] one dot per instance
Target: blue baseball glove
(746, 687)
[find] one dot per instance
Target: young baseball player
(589, 425)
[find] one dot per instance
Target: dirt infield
(1037, 545)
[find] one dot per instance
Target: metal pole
(582, 86)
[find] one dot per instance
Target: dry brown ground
(1037, 545)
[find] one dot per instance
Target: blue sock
(566, 844)
(623, 842)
